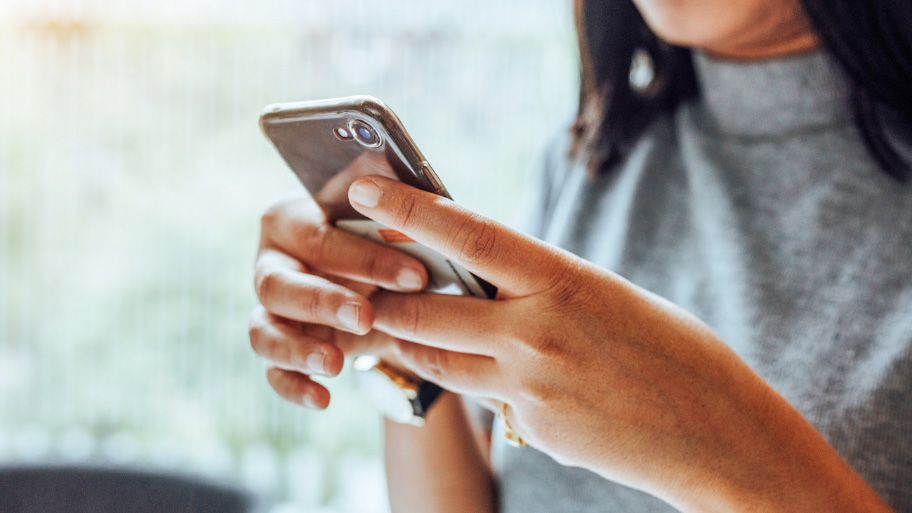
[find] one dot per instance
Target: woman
(756, 355)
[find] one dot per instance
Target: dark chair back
(73, 489)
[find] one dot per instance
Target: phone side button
(429, 173)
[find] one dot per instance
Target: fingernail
(365, 193)
(315, 362)
(408, 279)
(348, 315)
(308, 402)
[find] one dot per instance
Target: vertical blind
(132, 177)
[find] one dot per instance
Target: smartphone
(330, 143)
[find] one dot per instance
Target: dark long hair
(870, 39)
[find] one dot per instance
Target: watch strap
(427, 393)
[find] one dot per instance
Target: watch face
(389, 398)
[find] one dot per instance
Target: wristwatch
(400, 398)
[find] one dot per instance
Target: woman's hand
(597, 372)
(313, 282)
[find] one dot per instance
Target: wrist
(401, 398)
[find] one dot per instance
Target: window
(132, 177)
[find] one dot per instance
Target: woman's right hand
(313, 282)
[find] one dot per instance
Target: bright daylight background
(132, 177)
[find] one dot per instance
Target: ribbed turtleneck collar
(772, 97)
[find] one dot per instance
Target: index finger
(299, 228)
(509, 259)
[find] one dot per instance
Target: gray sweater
(758, 209)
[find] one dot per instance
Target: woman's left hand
(596, 372)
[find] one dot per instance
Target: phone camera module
(342, 133)
(365, 134)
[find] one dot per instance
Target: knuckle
(269, 344)
(270, 218)
(536, 392)
(277, 381)
(544, 345)
(402, 350)
(564, 290)
(475, 239)
(266, 284)
(286, 218)
(261, 341)
(255, 328)
(313, 238)
(405, 213)
(373, 266)
(411, 316)
(315, 303)
(434, 363)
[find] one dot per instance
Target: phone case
(330, 143)
(306, 134)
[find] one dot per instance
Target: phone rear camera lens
(365, 134)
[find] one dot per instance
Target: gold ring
(512, 437)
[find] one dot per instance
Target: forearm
(781, 463)
(438, 468)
